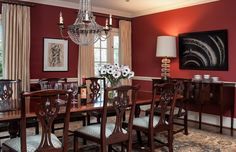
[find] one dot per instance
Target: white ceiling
(133, 8)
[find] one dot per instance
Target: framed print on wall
(55, 56)
(204, 50)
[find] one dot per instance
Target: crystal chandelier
(85, 30)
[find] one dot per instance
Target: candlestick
(60, 18)
(110, 20)
(86, 16)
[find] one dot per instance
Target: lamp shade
(166, 46)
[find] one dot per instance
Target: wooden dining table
(14, 116)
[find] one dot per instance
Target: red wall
(44, 19)
(206, 17)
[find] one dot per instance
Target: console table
(209, 98)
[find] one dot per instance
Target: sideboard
(209, 97)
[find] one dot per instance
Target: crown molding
(123, 13)
(171, 7)
(76, 6)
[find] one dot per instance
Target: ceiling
(130, 8)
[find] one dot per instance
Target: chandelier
(85, 30)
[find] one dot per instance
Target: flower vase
(113, 94)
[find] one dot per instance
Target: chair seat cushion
(95, 130)
(177, 112)
(144, 121)
(32, 143)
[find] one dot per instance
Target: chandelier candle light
(85, 30)
(166, 48)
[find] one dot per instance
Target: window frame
(109, 48)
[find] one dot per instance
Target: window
(106, 51)
(1, 48)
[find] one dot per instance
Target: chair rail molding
(68, 80)
(147, 78)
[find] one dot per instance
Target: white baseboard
(211, 119)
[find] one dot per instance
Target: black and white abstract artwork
(204, 50)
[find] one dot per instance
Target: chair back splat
(10, 91)
(119, 102)
(97, 86)
(166, 103)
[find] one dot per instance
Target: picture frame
(55, 54)
(206, 50)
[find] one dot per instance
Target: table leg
(14, 128)
(137, 111)
(232, 119)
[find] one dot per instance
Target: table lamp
(166, 48)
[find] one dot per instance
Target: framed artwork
(204, 50)
(55, 56)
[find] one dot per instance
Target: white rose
(124, 74)
(131, 75)
(116, 74)
(103, 71)
(126, 69)
(109, 71)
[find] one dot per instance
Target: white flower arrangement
(114, 73)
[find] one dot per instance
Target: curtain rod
(17, 2)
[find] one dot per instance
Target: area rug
(196, 141)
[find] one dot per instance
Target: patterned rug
(196, 141)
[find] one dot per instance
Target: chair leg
(84, 122)
(103, 148)
(200, 117)
(139, 137)
(170, 140)
(53, 127)
(88, 118)
(76, 143)
(129, 146)
(186, 123)
(151, 142)
(124, 117)
(98, 119)
(109, 148)
(37, 128)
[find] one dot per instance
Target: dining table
(13, 116)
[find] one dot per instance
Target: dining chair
(163, 102)
(107, 132)
(96, 91)
(50, 83)
(53, 83)
(47, 110)
(10, 91)
(181, 108)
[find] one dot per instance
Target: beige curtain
(16, 27)
(125, 46)
(86, 62)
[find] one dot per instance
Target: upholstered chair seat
(95, 130)
(32, 143)
(144, 121)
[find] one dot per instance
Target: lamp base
(165, 71)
